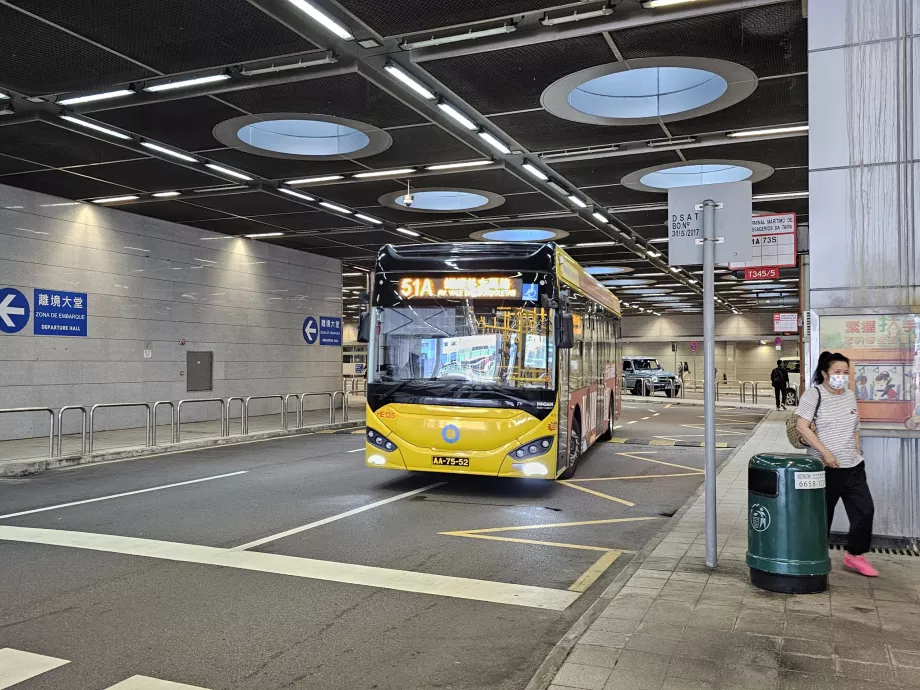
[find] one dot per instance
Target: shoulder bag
(792, 431)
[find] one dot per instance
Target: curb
(699, 403)
(664, 442)
(24, 468)
(547, 671)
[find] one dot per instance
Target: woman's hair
(824, 363)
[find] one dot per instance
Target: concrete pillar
(864, 141)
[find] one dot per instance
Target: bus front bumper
(496, 463)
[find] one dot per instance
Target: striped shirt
(838, 421)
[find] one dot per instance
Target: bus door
(565, 414)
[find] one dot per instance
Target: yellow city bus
(495, 359)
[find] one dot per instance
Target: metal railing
(172, 421)
(287, 411)
(344, 395)
(250, 398)
(92, 418)
(223, 420)
(242, 414)
(12, 410)
(60, 428)
(331, 396)
(744, 389)
(354, 384)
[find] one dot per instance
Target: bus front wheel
(574, 448)
(607, 435)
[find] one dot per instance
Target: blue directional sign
(330, 330)
(59, 313)
(14, 310)
(310, 330)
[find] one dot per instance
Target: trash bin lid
(786, 461)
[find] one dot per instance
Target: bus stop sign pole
(709, 378)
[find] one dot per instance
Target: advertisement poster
(884, 371)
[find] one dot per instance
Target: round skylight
(303, 137)
(661, 178)
(690, 175)
(444, 200)
(519, 235)
(607, 270)
(647, 92)
(300, 136)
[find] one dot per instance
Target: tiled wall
(150, 285)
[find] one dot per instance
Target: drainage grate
(887, 550)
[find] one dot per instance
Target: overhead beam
(587, 27)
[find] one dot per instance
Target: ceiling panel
(48, 144)
(542, 131)
(174, 35)
(281, 169)
(514, 78)
(39, 59)
(606, 171)
(250, 204)
(420, 145)
(307, 220)
(768, 40)
(618, 195)
(788, 180)
(65, 184)
(149, 174)
(184, 123)
(516, 204)
(777, 153)
(345, 95)
(174, 211)
(234, 226)
(8, 165)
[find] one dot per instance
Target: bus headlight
(533, 449)
(377, 440)
(377, 460)
(534, 469)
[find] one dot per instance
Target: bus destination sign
(493, 287)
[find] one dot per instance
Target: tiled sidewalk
(676, 625)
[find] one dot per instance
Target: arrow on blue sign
(310, 330)
(14, 310)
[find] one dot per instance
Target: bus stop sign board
(732, 223)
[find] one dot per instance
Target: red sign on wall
(771, 273)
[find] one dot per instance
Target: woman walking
(831, 406)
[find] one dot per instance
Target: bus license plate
(443, 461)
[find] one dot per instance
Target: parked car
(639, 369)
(793, 366)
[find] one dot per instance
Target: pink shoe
(860, 565)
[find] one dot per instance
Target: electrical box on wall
(200, 367)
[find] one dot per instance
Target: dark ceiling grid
(148, 174)
(47, 144)
(65, 184)
(605, 171)
(172, 211)
(10, 164)
(280, 168)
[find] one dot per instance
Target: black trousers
(851, 485)
(780, 395)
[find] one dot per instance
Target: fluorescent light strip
(409, 81)
(780, 195)
(652, 4)
(455, 166)
(322, 18)
(298, 195)
(4, 97)
(595, 244)
(162, 195)
(257, 235)
(535, 171)
(95, 127)
(653, 254)
(368, 219)
(407, 231)
(227, 188)
(642, 207)
(168, 152)
(312, 180)
(115, 199)
(327, 60)
(185, 83)
(671, 142)
(600, 217)
(385, 173)
(768, 132)
(577, 17)
(227, 171)
(333, 207)
(96, 97)
(494, 142)
(577, 202)
(457, 116)
(455, 38)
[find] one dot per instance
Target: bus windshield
(467, 342)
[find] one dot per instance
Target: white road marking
(148, 683)
(633, 421)
(356, 450)
(333, 518)
(126, 493)
(618, 427)
(644, 418)
(348, 573)
(16, 666)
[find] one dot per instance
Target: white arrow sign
(310, 330)
(6, 311)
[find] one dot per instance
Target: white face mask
(839, 381)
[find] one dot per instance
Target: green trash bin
(787, 524)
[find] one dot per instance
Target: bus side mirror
(565, 331)
(364, 328)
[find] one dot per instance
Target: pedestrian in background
(779, 377)
(831, 407)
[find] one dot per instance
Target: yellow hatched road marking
(640, 476)
(598, 493)
(617, 440)
(589, 577)
(661, 442)
(527, 541)
(658, 462)
(608, 521)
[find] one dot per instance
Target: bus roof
(572, 274)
